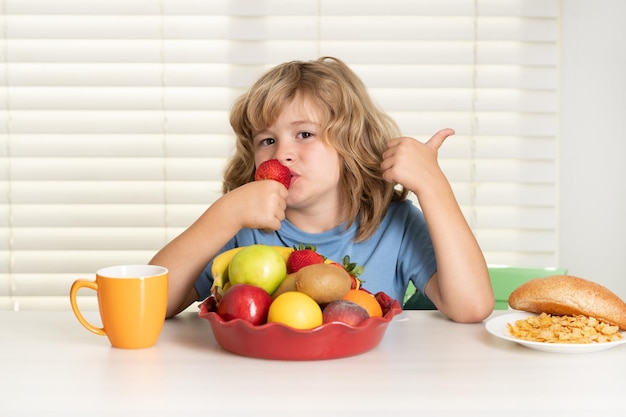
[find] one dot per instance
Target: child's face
(295, 140)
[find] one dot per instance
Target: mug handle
(78, 284)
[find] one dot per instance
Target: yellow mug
(132, 300)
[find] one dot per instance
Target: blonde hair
(351, 123)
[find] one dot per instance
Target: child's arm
(259, 205)
(461, 288)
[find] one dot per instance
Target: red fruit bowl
(281, 342)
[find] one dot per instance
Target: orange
(365, 300)
(295, 309)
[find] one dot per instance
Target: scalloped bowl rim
(244, 323)
(372, 328)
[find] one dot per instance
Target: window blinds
(114, 117)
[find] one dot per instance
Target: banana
(219, 269)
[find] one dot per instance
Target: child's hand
(413, 164)
(258, 204)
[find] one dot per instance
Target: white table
(51, 365)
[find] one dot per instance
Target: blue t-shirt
(399, 251)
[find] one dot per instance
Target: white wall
(593, 142)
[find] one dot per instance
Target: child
(351, 171)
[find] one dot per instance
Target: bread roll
(566, 295)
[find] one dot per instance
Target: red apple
(247, 302)
(344, 311)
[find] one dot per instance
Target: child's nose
(284, 152)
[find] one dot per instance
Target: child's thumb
(437, 139)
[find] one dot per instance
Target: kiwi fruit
(288, 284)
(323, 282)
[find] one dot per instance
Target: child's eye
(266, 141)
(305, 135)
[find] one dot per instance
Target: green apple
(259, 265)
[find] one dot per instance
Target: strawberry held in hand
(272, 169)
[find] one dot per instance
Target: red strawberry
(354, 270)
(272, 169)
(303, 256)
(356, 283)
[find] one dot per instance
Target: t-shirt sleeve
(204, 282)
(417, 258)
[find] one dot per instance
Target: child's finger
(437, 140)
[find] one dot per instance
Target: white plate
(497, 327)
